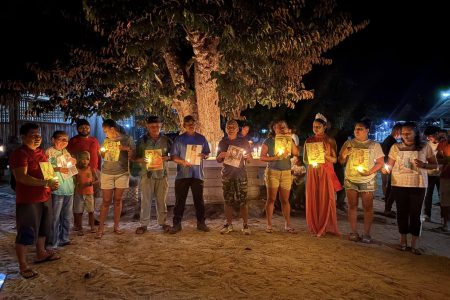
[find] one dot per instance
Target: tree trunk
(207, 58)
(183, 107)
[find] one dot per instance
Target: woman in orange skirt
(321, 181)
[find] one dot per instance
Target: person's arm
(294, 149)
(94, 177)
(21, 176)
(265, 155)
(331, 155)
(345, 152)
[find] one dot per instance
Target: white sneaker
(246, 230)
(226, 229)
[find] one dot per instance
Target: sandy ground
(198, 265)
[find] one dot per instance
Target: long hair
(418, 145)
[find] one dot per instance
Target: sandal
(269, 229)
(290, 230)
(165, 228)
(401, 247)
(118, 231)
(28, 273)
(354, 237)
(366, 239)
(50, 257)
(416, 251)
(141, 229)
(99, 235)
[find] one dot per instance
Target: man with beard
(84, 142)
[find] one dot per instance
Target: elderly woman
(116, 152)
(409, 161)
(278, 173)
(362, 158)
(321, 181)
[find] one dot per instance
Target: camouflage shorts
(235, 191)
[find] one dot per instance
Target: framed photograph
(283, 144)
(65, 161)
(47, 170)
(315, 153)
(234, 156)
(154, 159)
(112, 149)
(193, 154)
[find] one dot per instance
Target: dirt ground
(198, 265)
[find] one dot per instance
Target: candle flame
(314, 164)
(103, 149)
(359, 168)
(387, 167)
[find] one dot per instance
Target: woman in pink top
(321, 182)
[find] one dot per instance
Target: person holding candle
(189, 174)
(321, 182)
(154, 175)
(62, 198)
(362, 158)
(115, 174)
(409, 162)
(33, 208)
(443, 156)
(278, 177)
(234, 179)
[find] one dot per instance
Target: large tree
(202, 57)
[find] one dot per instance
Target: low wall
(212, 192)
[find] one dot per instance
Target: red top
(85, 176)
(90, 144)
(444, 146)
(25, 157)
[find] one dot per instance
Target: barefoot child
(62, 198)
(84, 193)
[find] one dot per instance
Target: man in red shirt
(33, 208)
(84, 142)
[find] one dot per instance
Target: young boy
(84, 192)
(62, 198)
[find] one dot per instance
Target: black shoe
(96, 222)
(175, 228)
(437, 204)
(202, 227)
(390, 214)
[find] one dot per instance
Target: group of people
(82, 168)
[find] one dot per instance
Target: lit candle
(69, 164)
(314, 164)
(103, 149)
(2, 148)
(188, 160)
(245, 152)
(280, 151)
(387, 167)
(55, 179)
(360, 169)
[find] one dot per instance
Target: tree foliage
(120, 67)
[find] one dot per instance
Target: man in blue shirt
(188, 151)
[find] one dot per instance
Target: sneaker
(175, 228)
(366, 239)
(246, 230)
(202, 227)
(226, 229)
(354, 237)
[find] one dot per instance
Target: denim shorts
(370, 186)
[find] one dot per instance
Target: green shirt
(66, 186)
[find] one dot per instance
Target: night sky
(399, 59)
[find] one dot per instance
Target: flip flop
(290, 230)
(28, 273)
(401, 247)
(269, 230)
(51, 257)
(416, 251)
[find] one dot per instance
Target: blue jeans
(62, 212)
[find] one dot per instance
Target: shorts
(83, 203)
(32, 221)
(275, 179)
(365, 187)
(110, 182)
(444, 192)
(235, 191)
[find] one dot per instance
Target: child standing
(62, 198)
(84, 192)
